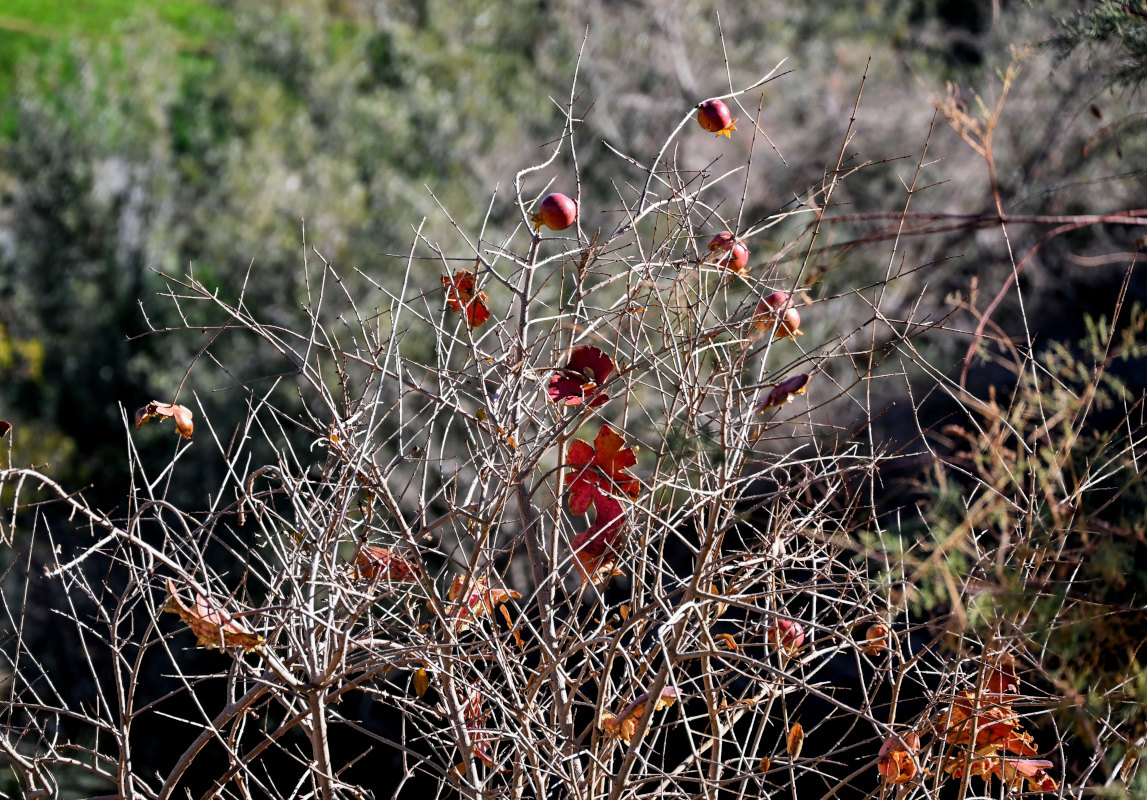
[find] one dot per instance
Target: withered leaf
(421, 682)
(213, 625)
(157, 410)
(795, 741)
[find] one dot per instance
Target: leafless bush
(409, 529)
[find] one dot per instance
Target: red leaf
(588, 368)
(461, 295)
(595, 548)
(380, 563)
(1001, 676)
(601, 469)
(475, 719)
(5, 426)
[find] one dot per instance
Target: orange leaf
(157, 410)
(461, 295)
(728, 640)
(896, 764)
(623, 729)
(624, 725)
(212, 625)
(480, 599)
(996, 726)
(795, 741)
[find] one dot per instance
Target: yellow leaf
(421, 682)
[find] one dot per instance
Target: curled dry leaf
(620, 728)
(795, 741)
(157, 410)
(581, 380)
(212, 624)
(624, 724)
(461, 296)
(784, 392)
(727, 641)
(479, 599)
(383, 564)
(896, 762)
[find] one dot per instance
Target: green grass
(28, 27)
(96, 18)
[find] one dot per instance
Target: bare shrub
(499, 563)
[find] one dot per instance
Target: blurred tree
(1114, 37)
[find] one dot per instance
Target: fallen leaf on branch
(601, 469)
(896, 763)
(581, 380)
(383, 564)
(157, 410)
(461, 296)
(795, 741)
(213, 625)
(479, 600)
